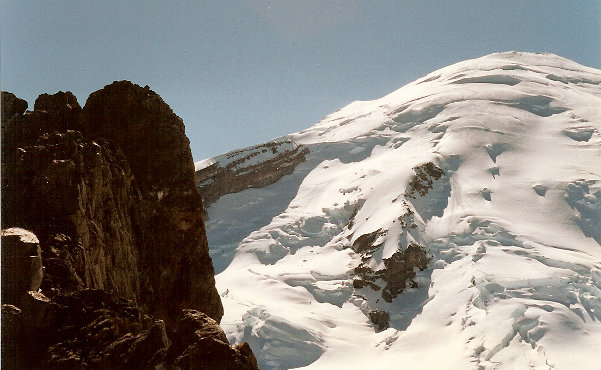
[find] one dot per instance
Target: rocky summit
(105, 261)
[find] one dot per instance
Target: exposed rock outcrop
(179, 270)
(207, 339)
(380, 318)
(253, 167)
(109, 191)
(79, 197)
(399, 270)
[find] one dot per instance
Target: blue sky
(242, 72)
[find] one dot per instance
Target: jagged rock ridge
(109, 191)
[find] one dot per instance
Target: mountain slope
(454, 223)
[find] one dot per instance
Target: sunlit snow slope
(452, 224)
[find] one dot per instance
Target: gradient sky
(242, 72)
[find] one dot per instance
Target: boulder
(11, 105)
(21, 263)
(199, 343)
(62, 109)
(61, 103)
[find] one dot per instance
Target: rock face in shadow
(152, 138)
(21, 259)
(109, 190)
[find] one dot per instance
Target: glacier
(490, 168)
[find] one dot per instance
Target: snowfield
(489, 169)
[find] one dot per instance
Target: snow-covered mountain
(452, 224)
